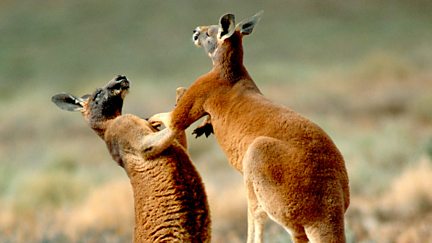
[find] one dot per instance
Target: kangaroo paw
(205, 129)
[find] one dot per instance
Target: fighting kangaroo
(293, 172)
(169, 197)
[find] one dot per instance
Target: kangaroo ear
(68, 102)
(179, 93)
(247, 25)
(226, 26)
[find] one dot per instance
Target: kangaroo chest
(233, 132)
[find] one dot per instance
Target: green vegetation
(360, 69)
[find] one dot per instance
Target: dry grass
(228, 212)
(107, 211)
(410, 194)
(107, 208)
(401, 214)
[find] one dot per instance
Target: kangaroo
(169, 196)
(293, 172)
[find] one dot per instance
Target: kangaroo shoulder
(128, 126)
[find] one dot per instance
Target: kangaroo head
(217, 39)
(104, 104)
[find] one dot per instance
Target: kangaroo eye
(97, 94)
(207, 34)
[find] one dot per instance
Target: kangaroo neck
(99, 122)
(231, 72)
(100, 126)
(228, 62)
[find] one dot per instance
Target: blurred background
(362, 70)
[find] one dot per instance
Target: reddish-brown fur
(169, 197)
(292, 170)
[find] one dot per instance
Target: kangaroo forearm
(154, 144)
(181, 118)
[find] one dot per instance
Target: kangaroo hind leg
(257, 217)
(269, 167)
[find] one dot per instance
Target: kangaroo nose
(121, 81)
(120, 78)
(196, 33)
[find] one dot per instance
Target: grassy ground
(361, 70)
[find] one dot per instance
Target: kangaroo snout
(120, 78)
(195, 36)
(120, 82)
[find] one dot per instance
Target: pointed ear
(226, 26)
(247, 25)
(68, 102)
(179, 93)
